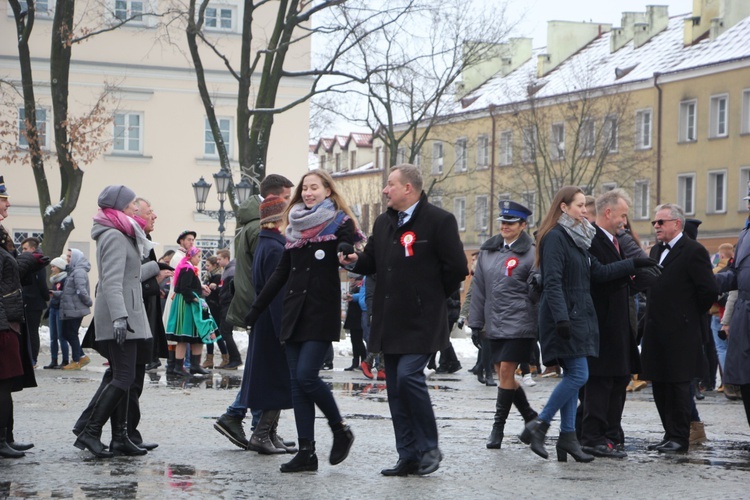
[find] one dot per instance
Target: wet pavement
(195, 461)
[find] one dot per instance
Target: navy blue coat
(567, 273)
(266, 384)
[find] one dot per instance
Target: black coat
(618, 352)
(409, 312)
(353, 319)
(675, 306)
(152, 303)
(312, 300)
(567, 274)
(35, 291)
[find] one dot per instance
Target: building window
(129, 10)
(719, 119)
(480, 213)
(21, 234)
(528, 199)
(745, 111)
(400, 156)
(41, 128)
(220, 18)
(608, 186)
(641, 199)
(744, 187)
(528, 154)
(688, 121)
(643, 129)
(611, 133)
(557, 141)
(338, 162)
(437, 157)
(323, 162)
(506, 147)
(459, 210)
(588, 137)
(209, 146)
(41, 7)
(483, 151)
(128, 133)
(461, 155)
(352, 160)
(437, 201)
(418, 158)
(686, 193)
(378, 164)
(717, 192)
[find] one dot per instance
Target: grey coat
(119, 292)
(75, 301)
(500, 300)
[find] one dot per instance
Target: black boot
(278, 442)
(523, 406)
(260, 440)
(179, 368)
(304, 460)
(567, 444)
(502, 408)
(195, 365)
(5, 450)
(343, 438)
(534, 434)
(170, 363)
(90, 437)
(121, 443)
(11, 440)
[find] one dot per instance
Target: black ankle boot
(523, 406)
(170, 363)
(533, 434)
(304, 460)
(502, 408)
(567, 444)
(121, 443)
(195, 365)
(179, 368)
(342, 442)
(90, 437)
(5, 450)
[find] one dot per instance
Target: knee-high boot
(523, 406)
(278, 441)
(90, 437)
(260, 441)
(121, 443)
(502, 409)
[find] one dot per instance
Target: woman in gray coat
(120, 319)
(568, 327)
(75, 303)
(504, 305)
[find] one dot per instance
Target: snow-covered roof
(595, 67)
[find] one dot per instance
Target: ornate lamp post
(222, 178)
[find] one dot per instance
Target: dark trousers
(745, 391)
(359, 351)
(673, 403)
(33, 319)
(603, 402)
(308, 390)
(70, 334)
(409, 401)
(226, 330)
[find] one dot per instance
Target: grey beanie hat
(117, 197)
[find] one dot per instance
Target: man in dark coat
(35, 297)
(672, 339)
(609, 373)
(416, 250)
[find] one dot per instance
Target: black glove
(165, 267)
(460, 322)
(644, 262)
(475, 337)
(251, 318)
(562, 328)
(345, 248)
(120, 327)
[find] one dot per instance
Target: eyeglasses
(661, 221)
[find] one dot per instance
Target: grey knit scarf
(310, 224)
(582, 231)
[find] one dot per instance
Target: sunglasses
(661, 221)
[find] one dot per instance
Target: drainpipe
(492, 173)
(658, 137)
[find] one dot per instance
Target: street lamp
(222, 178)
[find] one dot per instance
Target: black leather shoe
(430, 462)
(654, 447)
(145, 446)
(672, 447)
(402, 468)
(604, 451)
(153, 365)
(232, 428)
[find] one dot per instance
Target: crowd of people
(581, 287)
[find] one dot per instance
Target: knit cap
(59, 263)
(117, 197)
(271, 209)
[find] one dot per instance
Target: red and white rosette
(407, 240)
(510, 264)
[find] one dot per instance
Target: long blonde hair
(338, 200)
(564, 195)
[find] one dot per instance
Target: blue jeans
(70, 333)
(308, 390)
(238, 410)
(721, 345)
(55, 336)
(565, 396)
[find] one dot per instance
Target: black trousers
(673, 403)
(603, 402)
(226, 329)
(33, 319)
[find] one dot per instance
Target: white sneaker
(528, 381)
(428, 372)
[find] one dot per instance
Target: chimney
(622, 35)
(565, 38)
(502, 58)
(657, 19)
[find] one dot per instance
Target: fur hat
(117, 197)
(271, 209)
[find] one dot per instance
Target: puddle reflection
(215, 380)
